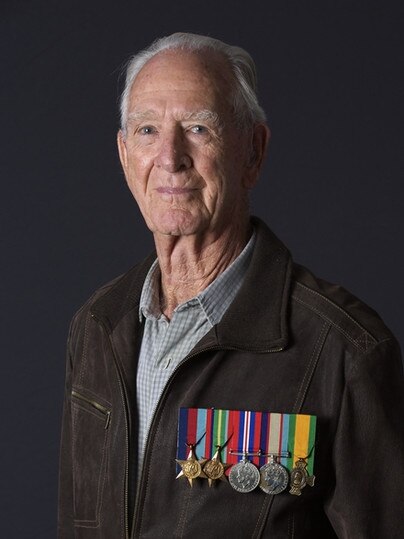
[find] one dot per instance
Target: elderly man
(218, 389)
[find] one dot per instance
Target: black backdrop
(330, 80)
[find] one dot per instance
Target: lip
(175, 190)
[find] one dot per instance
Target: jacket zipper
(157, 409)
(95, 405)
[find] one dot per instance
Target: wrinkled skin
(188, 164)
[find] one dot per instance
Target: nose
(172, 154)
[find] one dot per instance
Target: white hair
(245, 102)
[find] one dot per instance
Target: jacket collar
(257, 318)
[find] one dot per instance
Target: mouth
(175, 190)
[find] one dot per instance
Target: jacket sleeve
(369, 448)
(65, 504)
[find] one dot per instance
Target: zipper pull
(107, 420)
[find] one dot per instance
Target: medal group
(235, 434)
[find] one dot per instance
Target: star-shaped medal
(191, 468)
(215, 469)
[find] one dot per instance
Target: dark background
(331, 82)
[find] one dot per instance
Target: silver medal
(274, 477)
(244, 476)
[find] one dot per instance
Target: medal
(191, 468)
(274, 477)
(268, 449)
(302, 472)
(214, 469)
(299, 477)
(244, 476)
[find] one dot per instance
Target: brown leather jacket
(289, 343)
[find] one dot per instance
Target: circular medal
(214, 469)
(192, 469)
(244, 476)
(274, 478)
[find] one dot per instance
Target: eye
(147, 130)
(198, 129)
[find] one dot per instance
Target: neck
(189, 264)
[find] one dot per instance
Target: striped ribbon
(247, 431)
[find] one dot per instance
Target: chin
(178, 223)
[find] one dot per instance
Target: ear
(123, 153)
(260, 137)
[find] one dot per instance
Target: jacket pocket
(90, 423)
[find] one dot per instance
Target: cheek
(145, 160)
(138, 171)
(214, 175)
(138, 155)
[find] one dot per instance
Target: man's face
(185, 160)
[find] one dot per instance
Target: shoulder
(355, 321)
(112, 300)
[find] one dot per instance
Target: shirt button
(167, 362)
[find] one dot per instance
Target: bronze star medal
(191, 468)
(215, 468)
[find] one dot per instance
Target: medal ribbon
(220, 428)
(247, 431)
(274, 441)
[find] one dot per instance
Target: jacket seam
(363, 355)
(291, 526)
(333, 323)
(182, 519)
(84, 350)
(265, 509)
(308, 375)
(125, 525)
(366, 333)
(334, 305)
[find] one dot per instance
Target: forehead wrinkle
(139, 115)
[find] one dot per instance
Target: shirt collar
(214, 300)
(149, 305)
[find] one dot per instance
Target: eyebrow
(140, 115)
(204, 115)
